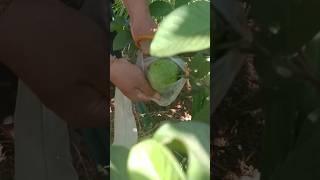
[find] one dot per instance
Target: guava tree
(175, 150)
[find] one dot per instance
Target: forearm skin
(138, 10)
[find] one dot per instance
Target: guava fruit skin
(162, 73)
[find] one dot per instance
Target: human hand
(142, 32)
(142, 25)
(131, 81)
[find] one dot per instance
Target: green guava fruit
(162, 73)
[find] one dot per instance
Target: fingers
(131, 81)
(148, 91)
(135, 95)
(143, 90)
(140, 96)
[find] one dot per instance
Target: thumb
(148, 91)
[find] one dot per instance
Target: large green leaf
(200, 68)
(160, 8)
(118, 166)
(146, 118)
(115, 26)
(179, 3)
(200, 104)
(122, 39)
(150, 160)
(199, 65)
(192, 139)
(186, 29)
(203, 114)
(119, 23)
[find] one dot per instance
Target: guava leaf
(179, 3)
(119, 23)
(147, 119)
(200, 66)
(192, 139)
(118, 165)
(160, 8)
(150, 160)
(200, 103)
(186, 29)
(122, 39)
(115, 27)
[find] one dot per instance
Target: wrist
(138, 10)
(140, 17)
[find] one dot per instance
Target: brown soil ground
(237, 128)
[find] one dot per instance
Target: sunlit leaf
(150, 160)
(186, 29)
(192, 139)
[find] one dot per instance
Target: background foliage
(176, 150)
(284, 38)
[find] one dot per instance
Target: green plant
(155, 158)
(286, 46)
(180, 33)
(180, 150)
